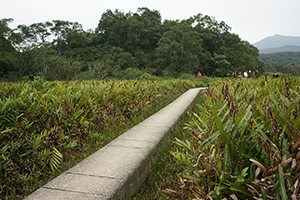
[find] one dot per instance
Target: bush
(131, 73)
(147, 76)
(187, 76)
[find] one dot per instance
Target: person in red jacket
(240, 74)
(199, 75)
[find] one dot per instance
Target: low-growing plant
(245, 142)
(46, 127)
(39, 83)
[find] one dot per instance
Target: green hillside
(284, 62)
(285, 48)
(282, 57)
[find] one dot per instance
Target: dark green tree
(64, 33)
(221, 65)
(178, 50)
(35, 35)
(8, 41)
(116, 60)
(113, 27)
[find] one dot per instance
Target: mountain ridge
(285, 48)
(278, 43)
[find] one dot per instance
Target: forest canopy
(124, 46)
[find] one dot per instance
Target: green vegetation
(242, 144)
(282, 57)
(284, 62)
(47, 127)
(123, 46)
(283, 68)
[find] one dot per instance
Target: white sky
(252, 20)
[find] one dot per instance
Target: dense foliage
(283, 68)
(281, 57)
(245, 142)
(123, 46)
(45, 126)
(283, 62)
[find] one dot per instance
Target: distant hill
(282, 57)
(278, 43)
(285, 48)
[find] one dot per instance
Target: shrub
(147, 76)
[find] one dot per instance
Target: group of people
(246, 74)
(199, 74)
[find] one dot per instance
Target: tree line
(123, 46)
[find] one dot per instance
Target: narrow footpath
(118, 169)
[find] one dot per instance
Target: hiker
(234, 74)
(240, 74)
(199, 75)
(249, 74)
(275, 75)
(256, 74)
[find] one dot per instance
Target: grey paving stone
(111, 161)
(50, 194)
(145, 132)
(87, 184)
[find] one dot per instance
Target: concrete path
(118, 169)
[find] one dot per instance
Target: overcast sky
(252, 20)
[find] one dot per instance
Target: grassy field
(47, 127)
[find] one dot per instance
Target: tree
(221, 65)
(131, 31)
(63, 31)
(113, 27)
(117, 60)
(31, 48)
(210, 31)
(178, 50)
(36, 35)
(150, 32)
(8, 39)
